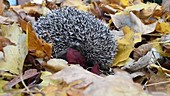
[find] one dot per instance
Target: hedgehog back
(67, 27)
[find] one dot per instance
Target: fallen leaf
(14, 55)
(143, 6)
(39, 46)
(5, 20)
(4, 42)
(130, 19)
(96, 10)
(123, 3)
(141, 51)
(125, 46)
(79, 4)
(74, 72)
(119, 84)
(160, 50)
(45, 10)
(137, 37)
(95, 69)
(55, 65)
(2, 7)
(159, 94)
(160, 68)
(141, 63)
(36, 8)
(11, 15)
(129, 61)
(2, 84)
(75, 57)
(60, 88)
(28, 74)
(158, 83)
(137, 2)
(165, 4)
(163, 27)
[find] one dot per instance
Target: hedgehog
(68, 27)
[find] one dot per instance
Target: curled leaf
(141, 51)
(141, 63)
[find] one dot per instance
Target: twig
(157, 62)
(159, 83)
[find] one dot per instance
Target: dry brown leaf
(61, 88)
(143, 6)
(6, 20)
(130, 19)
(108, 9)
(36, 8)
(80, 82)
(38, 46)
(75, 72)
(141, 63)
(141, 51)
(158, 82)
(159, 94)
(2, 7)
(24, 25)
(96, 10)
(145, 10)
(137, 1)
(28, 74)
(4, 42)
(119, 84)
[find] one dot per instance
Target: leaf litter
(140, 68)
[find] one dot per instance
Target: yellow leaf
(76, 3)
(143, 6)
(123, 3)
(125, 46)
(2, 84)
(129, 60)
(145, 11)
(163, 28)
(159, 49)
(46, 80)
(59, 87)
(14, 55)
(137, 37)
